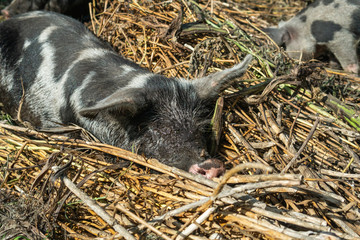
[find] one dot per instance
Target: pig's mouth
(210, 168)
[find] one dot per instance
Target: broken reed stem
(339, 174)
(194, 226)
(227, 192)
(237, 169)
(288, 219)
(259, 178)
(312, 131)
(95, 207)
(257, 225)
(141, 221)
(230, 173)
(238, 136)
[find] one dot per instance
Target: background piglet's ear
(125, 101)
(211, 85)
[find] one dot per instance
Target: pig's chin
(210, 168)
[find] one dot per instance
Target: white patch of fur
(7, 79)
(27, 43)
(139, 81)
(75, 98)
(91, 53)
(83, 55)
(45, 94)
(126, 69)
(45, 34)
(48, 96)
(45, 91)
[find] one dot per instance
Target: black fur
(324, 31)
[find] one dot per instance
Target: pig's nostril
(201, 172)
(197, 170)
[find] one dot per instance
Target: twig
(141, 221)
(242, 140)
(339, 174)
(192, 227)
(226, 193)
(302, 147)
(278, 132)
(94, 206)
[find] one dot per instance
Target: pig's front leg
(344, 48)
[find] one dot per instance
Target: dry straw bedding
(289, 133)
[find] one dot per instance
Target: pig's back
(344, 13)
(56, 57)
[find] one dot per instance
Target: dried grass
(292, 148)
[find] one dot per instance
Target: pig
(69, 76)
(75, 8)
(330, 24)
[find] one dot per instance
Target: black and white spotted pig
(75, 8)
(70, 76)
(334, 24)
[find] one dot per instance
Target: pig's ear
(124, 101)
(211, 85)
(286, 37)
(279, 35)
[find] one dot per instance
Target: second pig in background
(333, 24)
(74, 8)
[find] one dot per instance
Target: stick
(302, 147)
(94, 206)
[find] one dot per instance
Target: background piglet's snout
(70, 76)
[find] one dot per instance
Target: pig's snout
(352, 68)
(5, 13)
(210, 168)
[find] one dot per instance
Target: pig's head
(74, 8)
(21, 6)
(168, 118)
(292, 39)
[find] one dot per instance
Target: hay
(291, 144)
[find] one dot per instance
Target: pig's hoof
(210, 168)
